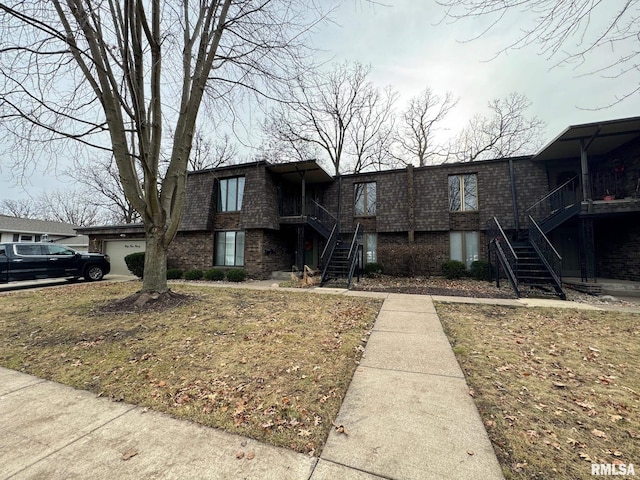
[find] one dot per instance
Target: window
(370, 247)
(29, 249)
(463, 193)
(365, 198)
(58, 250)
(26, 238)
(230, 194)
(230, 249)
(464, 247)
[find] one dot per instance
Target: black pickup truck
(34, 261)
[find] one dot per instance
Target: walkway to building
(407, 415)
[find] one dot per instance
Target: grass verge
(266, 364)
(557, 389)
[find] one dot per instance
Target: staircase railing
(546, 251)
(327, 252)
(353, 254)
(505, 254)
(554, 201)
(324, 215)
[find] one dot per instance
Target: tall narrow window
(365, 199)
(463, 193)
(230, 249)
(230, 194)
(464, 247)
(370, 247)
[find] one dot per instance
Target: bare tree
(506, 132)
(371, 134)
(206, 154)
(103, 190)
(22, 208)
(419, 125)
(602, 35)
(340, 112)
(279, 147)
(115, 75)
(67, 206)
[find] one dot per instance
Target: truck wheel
(93, 273)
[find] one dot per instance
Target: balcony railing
(615, 184)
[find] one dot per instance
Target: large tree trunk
(155, 261)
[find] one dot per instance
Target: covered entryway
(118, 249)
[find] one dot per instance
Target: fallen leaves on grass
(464, 287)
(266, 364)
(556, 388)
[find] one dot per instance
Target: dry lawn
(266, 364)
(557, 389)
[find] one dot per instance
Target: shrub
(135, 263)
(408, 260)
(195, 274)
(174, 273)
(214, 275)
(479, 270)
(372, 268)
(236, 275)
(453, 269)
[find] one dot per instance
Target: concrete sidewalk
(407, 413)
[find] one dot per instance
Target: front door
(310, 251)
(565, 239)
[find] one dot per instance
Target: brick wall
(467, 221)
(532, 184)
(191, 250)
(227, 221)
(617, 242)
(266, 251)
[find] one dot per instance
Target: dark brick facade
(266, 251)
(192, 250)
(412, 208)
(618, 243)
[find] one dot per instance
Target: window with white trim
(230, 249)
(463, 192)
(26, 238)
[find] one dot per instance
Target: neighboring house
(13, 229)
(581, 190)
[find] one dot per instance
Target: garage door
(118, 249)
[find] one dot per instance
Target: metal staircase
(531, 264)
(533, 274)
(339, 259)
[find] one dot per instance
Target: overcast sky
(410, 49)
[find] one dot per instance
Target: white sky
(409, 49)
